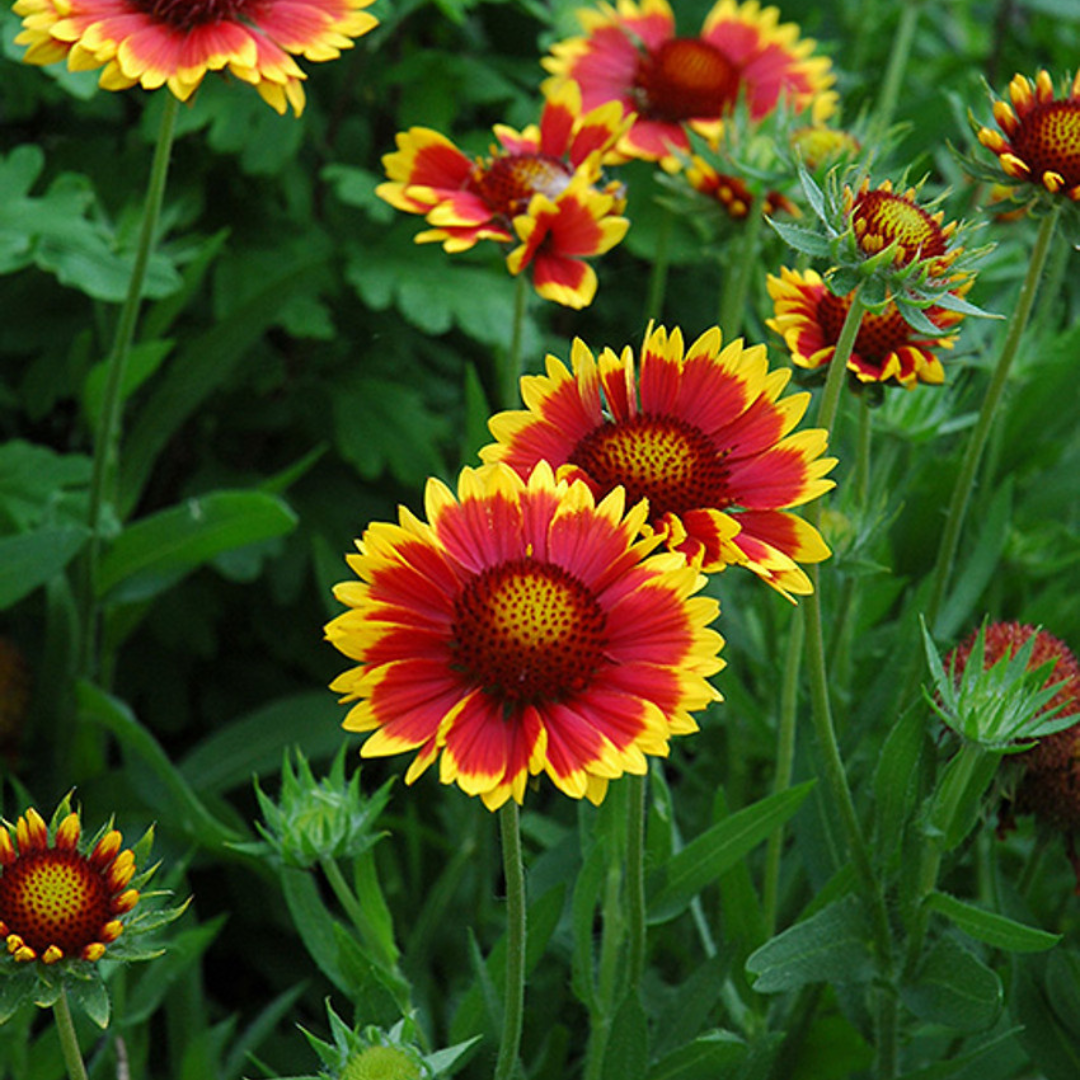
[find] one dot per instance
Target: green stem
(69, 1042)
(785, 763)
(607, 983)
(512, 375)
(737, 283)
(965, 479)
(635, 878)
(837, 375)
(654, 303)
(514, 997)
(107, 437)
(894, 73)
(861, 477)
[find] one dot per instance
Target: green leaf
(702, 1059)
(627, 1050)
(34, 478)
(705, 858)
(313, 923)
(804, 240)
(143, 360)
(831, 946)
(897, 779)
(1050, 1038)
(953, 987)
(31, 559)
(158, 550)
(996, 930)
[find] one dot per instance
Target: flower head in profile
(703, 433)
(1037, 140)
(174, 43)
(732, 193)
(632, 54)
(1046, 776)
(888, 350)
(818, 145)
(540, 189)
(525, 627)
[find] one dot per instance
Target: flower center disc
(880, 333)
(685, 79)
(507, 184)
(529, 632)
(185, 14)
(665, 460)
(890, 218)
(1049, 140)
(54, 898)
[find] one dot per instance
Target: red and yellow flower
(1039, 137)
(702, 433)
(523, 628)
(631, 53)
(888, 349)
(537, 188)
(57, 901)
(732, 193)
(881, 217)
(174, 43)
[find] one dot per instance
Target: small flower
(702, 433)
(817, 145)
(1039, 138)
(523, 628)
(732, 193)
(174, 43)
(538, 188)
(57, 901)
(631, 54)
(888, 349)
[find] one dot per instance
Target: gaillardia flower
(523, 628)
(57, 901)
(809, 317)
(630, 53)
(537, 188)
(702, 433)
(174, 43)
(732, 193)
(1048, 784)
(1039, 140)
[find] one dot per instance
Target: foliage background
(301, 355)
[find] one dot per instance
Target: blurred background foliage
(302, 367)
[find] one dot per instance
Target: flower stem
(737, 284)
(861, 476)
(654, 303)
(785, 759)
(834, 380)
(69, 1043)
(894, 73)
(512, 374)
(635, 878)
(514, 997)
(965, 479)
(106, 460)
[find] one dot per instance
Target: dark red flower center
(54, 897)
(661, 458)
(685, 79)
(881, 218)
(880, 333)
(507, 184)
(529, 632)
(186, 14)
(1048, 140)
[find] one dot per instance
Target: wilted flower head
(1038, 141)
(175, 43)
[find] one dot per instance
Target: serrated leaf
(805, 240)
(705, 858)
(831, 946)
(991, 928)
